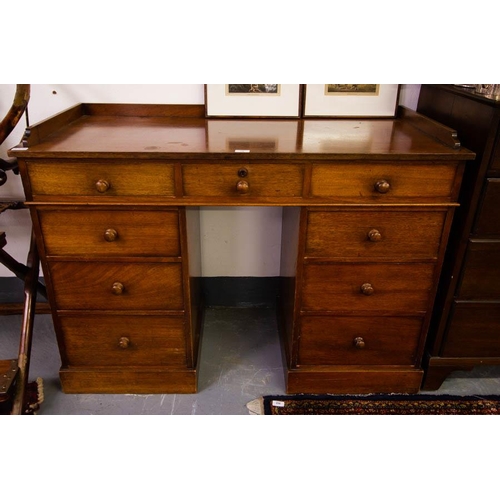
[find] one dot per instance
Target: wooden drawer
(256, 180)
(342, 340)
(110, 232)
(481, 273)
(374, 234)
(488, 220)
(116, 340)
(115, 286)
(387, 287)
(474, 331)
(106, 180)
(378, 182)
(494, 166)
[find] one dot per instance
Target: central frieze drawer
(367, 287)
(123, 340)
(379, 182)
(344, 340)
(102, 286)
(374, 234)
(107, 180)
(246, 179)
(110, 232)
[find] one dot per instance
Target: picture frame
(350, 100)
(253, 100)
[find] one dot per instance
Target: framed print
(351, 99)
(253, 100)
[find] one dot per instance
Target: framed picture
(253, 100)
(350, 99)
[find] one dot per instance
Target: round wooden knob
(242, 187)
(374, 235)
(124, 342)
(117, 288)
(367, 289)
(110, 234)
(382, 186)
(102, 186)
(359, 343)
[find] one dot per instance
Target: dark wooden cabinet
(465, 328)
(114, 194)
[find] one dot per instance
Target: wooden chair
(14, 372)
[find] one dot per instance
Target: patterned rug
(375, 404)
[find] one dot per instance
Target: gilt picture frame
(253, 100)
(350, 100)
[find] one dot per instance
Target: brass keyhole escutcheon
(242, 172)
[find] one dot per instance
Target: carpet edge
(385, 404)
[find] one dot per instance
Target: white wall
(239, 241)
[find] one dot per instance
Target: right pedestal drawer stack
(465, 330)
(366, 273)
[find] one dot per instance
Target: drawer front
(242, 180)
(367, 287)
(381, 182)
(376, 234)
(481, 274)
(110, 286)
(106, 180)
(488, 221)
(110, 232)
(474, 331)
(94, 340)
(342, 340)
(494, 165)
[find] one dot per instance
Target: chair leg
(30, 291)
(20, 270)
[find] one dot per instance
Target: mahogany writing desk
(114, 193)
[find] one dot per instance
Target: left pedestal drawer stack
(117, 268)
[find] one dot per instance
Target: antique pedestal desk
(114, 193)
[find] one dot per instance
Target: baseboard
(12, 290)
(240, 291)
(218, 291)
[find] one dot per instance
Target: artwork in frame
(253, 100)
(351, 99)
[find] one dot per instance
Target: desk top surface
(181, 132)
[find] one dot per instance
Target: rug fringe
(256, 406)
(33, 406)
(41, 395)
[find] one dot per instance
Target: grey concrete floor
(240, 361)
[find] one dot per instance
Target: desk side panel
(290, 277)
